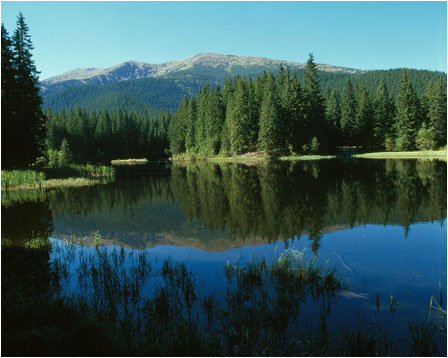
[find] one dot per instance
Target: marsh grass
(263, 308)
(72, 175)
(21, 179)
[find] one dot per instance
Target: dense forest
(281, 115)
(167, 92)
(80, 136)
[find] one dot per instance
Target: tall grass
(80, 171)
(262, 310)
(21, 179)
(72, 175)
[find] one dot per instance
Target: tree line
(280, 115)
(81, 136)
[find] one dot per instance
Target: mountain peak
(220, 63)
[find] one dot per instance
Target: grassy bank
(261, 310)
(253, 157)
(429, 154)
(258, 157)
(66, 176)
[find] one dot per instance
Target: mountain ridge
(131, 70)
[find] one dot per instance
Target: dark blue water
(380, 223)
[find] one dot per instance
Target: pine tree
(272, 136)
(240, 119)
(349, 125)
(408, 119)
(296, 108)
(364, 117)
(31, 120)
(177, 128)
(333, 115)
(314, 111)
(190, 126)
(384, 112)
(10, 124)
(436, 110)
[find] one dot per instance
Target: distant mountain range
(136, 85)
(221, 65)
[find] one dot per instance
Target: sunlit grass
(428, 154)
(129, 161)
(66, 176)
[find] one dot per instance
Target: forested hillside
(167, 92)
(281, 115)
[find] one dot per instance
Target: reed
(21, 179)
(260, 311)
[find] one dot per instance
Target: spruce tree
(333, 115)
(10, 123)
(436, 110)
(314, 111)
(295, 105)
(31, 126)
(384, 112)
(271, 138)
(177, 128)
(349, 125)
(408, 119)
(364, 117)
(240, 119)
(190, 126)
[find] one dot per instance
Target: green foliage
(426, 138)
(349, 123)
(408, 117)
(272, 133)
(21, 178)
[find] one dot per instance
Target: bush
(426, 138)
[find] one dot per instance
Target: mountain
(139, 86)
(220, 65)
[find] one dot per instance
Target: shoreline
(425, 155)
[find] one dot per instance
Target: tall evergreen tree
(314, 111)
(25, 127)
(240, 119)
(333, 115)
(272, 136)
(10, 124)
(349, 125)
(436, 110)
(408, 119)
(30, 114)
(364, 117)
(384, 112)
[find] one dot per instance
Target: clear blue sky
(367, 35)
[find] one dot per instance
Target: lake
(379, 224)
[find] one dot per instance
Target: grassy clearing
(66, 176)
(429, 154)
(261, 311)
(129, 161)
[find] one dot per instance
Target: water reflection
(218, 206)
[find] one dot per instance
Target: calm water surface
(380, 223)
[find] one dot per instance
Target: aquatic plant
(21, 179)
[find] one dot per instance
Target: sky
(365, 35)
